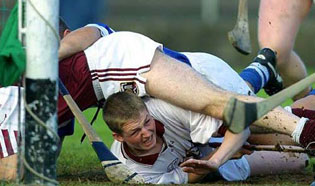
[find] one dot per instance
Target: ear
(118, 137)
(66, 32)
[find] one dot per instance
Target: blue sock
(312, 92)
(256, 74)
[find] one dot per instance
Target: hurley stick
(238, 114)
(278, 148)
(114, 169)
(239, 36)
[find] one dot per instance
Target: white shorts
(9, 120)
(235, 170)
(117, 61)
(218, 72)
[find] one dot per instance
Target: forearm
(77, 41)
(198, 169)
(231, 144)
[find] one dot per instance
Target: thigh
(279, 22)
(270, 139)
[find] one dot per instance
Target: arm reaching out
(78, 40)
(231, 144)
(197, 169)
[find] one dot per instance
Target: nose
(145, 133)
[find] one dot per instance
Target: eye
(135, 132)
(147, 121)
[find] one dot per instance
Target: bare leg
(279, 120)
(270, 139)
(278, 24)
(8, 168)
(266, 162)
(180, 85)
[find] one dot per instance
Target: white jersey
(9, 120)
(183, 129)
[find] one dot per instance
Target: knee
(307, 102)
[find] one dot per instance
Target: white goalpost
(38, 22)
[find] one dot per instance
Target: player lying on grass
(124, 60)
(124, 114)
(128, 60)
(107, 77)
(128, 118)
(113, 64)
(153, 137)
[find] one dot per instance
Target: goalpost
(38, 21)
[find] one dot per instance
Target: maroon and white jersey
(9, 120)
(183, 130)
(117, 61)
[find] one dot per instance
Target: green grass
(79, 165)
(80, 158)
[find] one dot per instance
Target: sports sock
(296, 134)
(312, 92)
(257, 75)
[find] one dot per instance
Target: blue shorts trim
(66, 130)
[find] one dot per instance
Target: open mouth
(148, 141)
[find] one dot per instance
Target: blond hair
(121, 108)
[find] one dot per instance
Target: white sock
(288, 108)
(298, 130)
(262, 71)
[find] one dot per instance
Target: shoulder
(104, 29)
(116, 150)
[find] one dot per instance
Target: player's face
(140, 135)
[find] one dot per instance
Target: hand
(200, 167)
